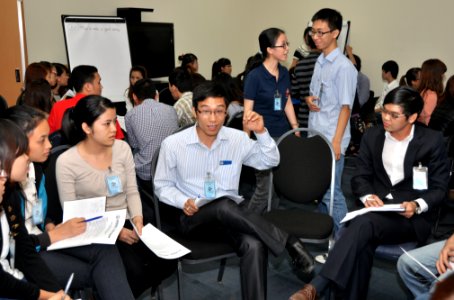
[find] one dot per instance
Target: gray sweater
(76, 179)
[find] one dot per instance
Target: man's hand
(446, 255)
(128, 236)
(310, 103)
(373, 201)
(252, 121)
(410, 209)
(190, 208)
(336, 149)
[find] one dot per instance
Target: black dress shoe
(301, 258)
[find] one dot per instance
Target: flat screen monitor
(152, 46)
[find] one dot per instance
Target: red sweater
(59, 108)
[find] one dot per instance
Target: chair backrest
(307, 166)
(236, 121)
(165, 96)
(54, 209)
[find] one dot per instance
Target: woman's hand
(70, 228)
(138, 223)
(128, 236)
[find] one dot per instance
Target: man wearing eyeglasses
(332, 90)
(399, 163)
(198, 172)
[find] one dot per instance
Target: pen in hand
(68, 285)
(92, 219)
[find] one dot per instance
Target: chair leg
(179, 278)
(221, 269)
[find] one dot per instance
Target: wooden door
(11, 62)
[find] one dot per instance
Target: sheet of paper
(87, 208)
(161, 244)
(202, 201)
(104, 230)
(386, 207)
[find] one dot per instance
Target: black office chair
(165, 96)
(206, 248)
(236, 121)
(305, 172)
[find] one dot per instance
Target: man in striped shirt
(201, 166)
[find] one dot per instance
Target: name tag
(114, 186)
(420, 177)
(225, 162)
(37, 212)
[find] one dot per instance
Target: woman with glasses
(23, 274)
(431, 86)
(99, 165)
(267, 92)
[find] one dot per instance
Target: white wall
(409, 33)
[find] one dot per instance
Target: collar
(269, 75)
(331, 57)
(407, 139)
(193, 137)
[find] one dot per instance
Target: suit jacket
(426, 147)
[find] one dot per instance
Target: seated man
(204, 161)
(180, 86)
(437, 258)
(389, 72)
(397, 163)
(148, 124)
(86, 81)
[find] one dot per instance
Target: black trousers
(350, 261)
(251, 236)
(143, 268)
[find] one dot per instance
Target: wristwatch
(418, 208)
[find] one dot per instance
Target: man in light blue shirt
(204, 162)
(332, 89)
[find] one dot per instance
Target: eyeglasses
(217, 113)
(285, 45)
(319, 33)
(392, 114)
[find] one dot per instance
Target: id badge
(114, 186)
(210, 189)
(420, 177)
(37, 212)
(277, 101)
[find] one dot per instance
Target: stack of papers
(102, 227)
(386, 207)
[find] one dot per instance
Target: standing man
(389, 72)
(204, 161)
(398, 163)
(332, 89)
(86, 81)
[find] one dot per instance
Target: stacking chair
(305, 172)
(203, 249)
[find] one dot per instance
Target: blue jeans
(418, 280)
(339, 205)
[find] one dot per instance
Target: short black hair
(81, 75)
(391, 66)
(208, 89)
(144, 89)
(26, 117)
(407, 98)
(182, 79)
(330, 16)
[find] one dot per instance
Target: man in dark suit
(399, 163)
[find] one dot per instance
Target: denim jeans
(339, 204)
(418, 280)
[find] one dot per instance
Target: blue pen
(92, 219)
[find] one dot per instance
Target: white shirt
(29, 188)
(388, 87)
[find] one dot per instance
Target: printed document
(386, 207)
